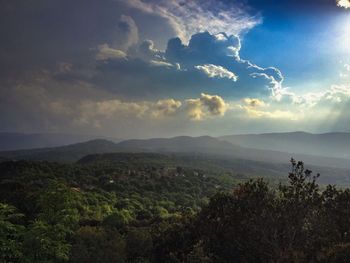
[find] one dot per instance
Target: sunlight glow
(344, 41)
(343, 3)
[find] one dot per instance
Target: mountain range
(221, 153)
(224, 147)
(335, 144)
(10, 141)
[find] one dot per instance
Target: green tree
(45, 242)
(10, 234)
(47, 237)
(139, 243)
(98, 245)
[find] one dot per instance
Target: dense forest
(152, 208)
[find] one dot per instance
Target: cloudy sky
(149, 68)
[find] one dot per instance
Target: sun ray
(345, 36)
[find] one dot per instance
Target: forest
(151, 208)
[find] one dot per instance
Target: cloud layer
(189, 17)
(147, 68)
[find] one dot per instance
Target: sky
(162, 68)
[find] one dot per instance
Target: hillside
(153, 208)
(335, 145)
(203, 144)
(210, 145)
(181, 145)
(219, 165)
(68, 153)
(67, 204)
(10, 141)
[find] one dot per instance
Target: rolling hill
(67, 153)
(335, 145)
(10, 141)
(180, 145)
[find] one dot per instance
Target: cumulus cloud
(189, 17)
(167, 107)
(127, 34)
(147, 51)
(219, 54)
(347, 67)
(159, 63)
(104, 76)
(334, 95)
(206, 105)
(275, 114)
(208, 63)
(46, 103)
(274, 78)
(125, 37)
(95, 112)
(213, 71)
(104, 52)
(344, 73)
(254, 103)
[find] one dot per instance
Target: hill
(222, 166)
(335, 145)
(10, 141)
(74, 152)
(204, 151)
(210, 145)
(203, 144)
(68, 153)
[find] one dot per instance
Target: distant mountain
(183, 145)
(210, 145)
(74, 152)
(18, 141)
(203, 144)
(68, 153)
(328, 144)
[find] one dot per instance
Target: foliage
(133, 210)
(296, 222)
(10, 234)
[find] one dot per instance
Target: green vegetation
(153, 208)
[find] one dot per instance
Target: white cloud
(147, 51)
(217, 56)
(104, 52)
(347, 67)
(95, 112)
(275, 114)
(205, 106)
(189, 17)
(335, 94)
(275, 80)
(167, 107)
(254, 103)
(214, 71)
(158, 63)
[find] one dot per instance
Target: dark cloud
(126, 34)
(209, 63)
(39, 34)
(223, 50)
(100, 58)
